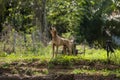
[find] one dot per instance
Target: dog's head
(53, 31)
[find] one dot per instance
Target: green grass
(91, 55)
(103, 72)
(63, 61)
(45, 54)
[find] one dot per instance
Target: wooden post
(84, 46)
(33, 42)
(25, 40)
(14, 41)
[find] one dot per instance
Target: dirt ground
(36, 71)
(62, 77)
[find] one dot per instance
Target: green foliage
(94, 19)
(85, 19)
(64, 14)
(82, 18)
(66, 35)
(19, 14)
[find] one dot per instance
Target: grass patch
(103, 72)
(101, 54)
(44, 56)
(66, 61)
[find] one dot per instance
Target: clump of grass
(103, 72)
(90, 56)
(67, 61)
(60, 61)
(101, 55)
(5, 65)
(115, 57)
(35, 72)
(44, 53)
(3, 54)
(94, 54)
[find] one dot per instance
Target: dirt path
(37, 71)
(62, 77)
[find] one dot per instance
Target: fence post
(33, 42)
(84, 46)
(25, 41)
(14, 42)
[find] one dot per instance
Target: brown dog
(58, 41)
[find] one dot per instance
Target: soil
(36, 71)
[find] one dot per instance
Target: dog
(59, 41)
(109, 48)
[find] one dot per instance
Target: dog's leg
(69, 48)
(70, 51)
(107, 54)
(53, 47)
(64, 49)
(57, 50)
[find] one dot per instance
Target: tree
(65, 15)
(2, 13)
(83, 18)
(95, 19)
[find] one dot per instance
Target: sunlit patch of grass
(103, 72)
(22, 57)
(70, 61)
(115, 57)
(101, 54)
(43, 54)
(62, 60)
(91, 55)
(44, 58)
(95, 54)
(65, 60)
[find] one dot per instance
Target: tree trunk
(44, 23)
(40, 13)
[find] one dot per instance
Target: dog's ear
(50, 28)
(54, 28)
(55, 32)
